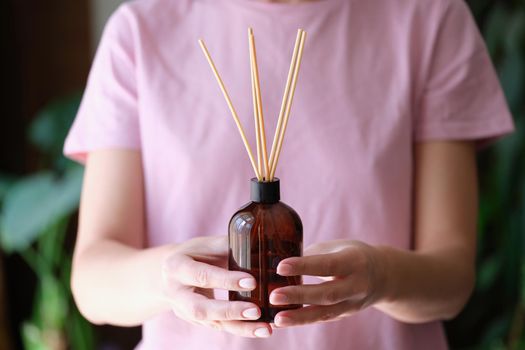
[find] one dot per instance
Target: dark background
(46, 55)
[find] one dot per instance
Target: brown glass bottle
(261, 234)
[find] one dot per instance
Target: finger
(208, 245)
(206, 248)
(247, 329)
(338, 318)
(327, 293)
(313, 314)
(194, 273)
(331, 264)
(198, 308)
(327, 247)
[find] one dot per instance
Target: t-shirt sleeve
(108, 113)
(462, 98)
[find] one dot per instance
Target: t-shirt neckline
(284, 7)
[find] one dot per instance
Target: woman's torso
(346, 164)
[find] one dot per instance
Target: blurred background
(47, 50)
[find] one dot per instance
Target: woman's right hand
(190, 274)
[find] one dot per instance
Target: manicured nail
(281, 321)
(247, 283)
(278, 299)
(252, 313)
(262, 332)
(284, 269)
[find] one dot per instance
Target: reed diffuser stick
(256, 117)
(285, 99)
(289, 105)
(260, 114)
(232, 109)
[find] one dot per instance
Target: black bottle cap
(265, 192)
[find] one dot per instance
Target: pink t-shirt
(376, 77)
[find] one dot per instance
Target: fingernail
(252, 313)
(281, 321)
(278, 299)
(247, 283)
(284, 269)
(262, 332)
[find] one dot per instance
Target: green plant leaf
(6, 181)
(52, 302)
(36, 202)
(32, 337)
(515, 34)
(512, 73)
(495, 29)
(49, 129)
(488, 271)
(80, 333)
(522, 249)
(51, 243)
(497, 331)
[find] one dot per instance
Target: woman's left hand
(354, 279)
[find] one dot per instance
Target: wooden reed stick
(260, 114)
(289, 104)
(285, 99)
(230, 105)
(256, 116)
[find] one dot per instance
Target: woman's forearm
(116, 284)
(422, 287)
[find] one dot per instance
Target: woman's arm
(432, 282)
(109, 244)
(115, 280)
(436, 279)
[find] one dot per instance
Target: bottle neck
(265, 192)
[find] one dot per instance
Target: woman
(379, 161)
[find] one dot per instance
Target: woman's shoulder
(430, 11)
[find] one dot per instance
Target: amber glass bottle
(261, 234)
